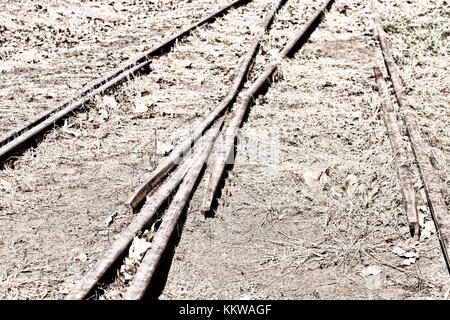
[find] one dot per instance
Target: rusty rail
(152, 258)
(433, 191)
(13, 140)
(295, 43)
(225, 152)
(145, 216)
(171, 161)
(37, 130)
(270, 16)
(401, 157)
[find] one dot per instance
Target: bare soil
(274, 235)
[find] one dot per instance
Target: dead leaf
(104, 114)
(312, 176)
(50, 95)
(214, 53)
(428, 229)
(140, 108)
(398, 251)
(127, 270)
(138, 248)
(68, 131)
(163, 148)
(407, 251)
(429, 225)
(351, 183)
(110, 219)
(5, 185)
(373, 277)
(371, 271)
(200, 79)
(110, 102)
(148, 235)
(82, 257)
(409, 261)
(421, 220)
(335, 194)
(274, 53)
(137, 251)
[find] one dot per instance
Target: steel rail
(37, 130)
(148, 266)
(401, 157)
(432, 187)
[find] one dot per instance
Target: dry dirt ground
(273, 236)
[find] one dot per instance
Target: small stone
(140, 108)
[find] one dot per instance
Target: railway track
(174, 180)
(433, 191)
(187, 174)
(27, 132)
